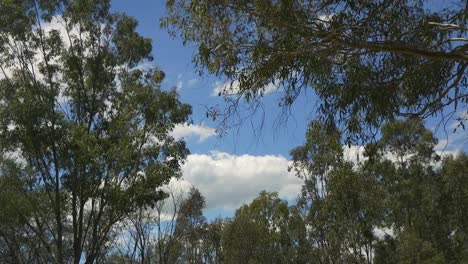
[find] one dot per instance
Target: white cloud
(5, 72)
(186, 130)
(354, 153)
(325, 17)
(381, 232)
(232, 88)
(15, 155)
(228, 181)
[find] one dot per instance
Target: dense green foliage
(84, 131)
(367, 61)
(399, 205)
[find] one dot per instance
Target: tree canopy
(84, 129)
(396, 205)
(368, 61)
(87, 154)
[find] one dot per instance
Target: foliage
(368, 61)
(84, 129)
(86, 150)
(190, 225)
(395, 206)
(258, 232)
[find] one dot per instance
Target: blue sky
(233, 169)
(176, 61)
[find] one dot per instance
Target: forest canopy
(88, 157)
(84, 131)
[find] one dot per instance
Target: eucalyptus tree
(258, 233)
(211, 248)
(424, 205)
(343, 203)
(368, 61)
(190, 226)
(402, 203)
(84, 129)
(168, 241)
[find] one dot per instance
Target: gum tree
(367, 61)
(84, 128)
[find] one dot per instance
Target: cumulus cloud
(186, 131)
(232, 88)
(228, 181)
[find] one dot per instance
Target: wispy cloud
(202, 132)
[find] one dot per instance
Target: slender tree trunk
(58, 217)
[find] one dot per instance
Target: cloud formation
(185, 131)
(228, 181)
